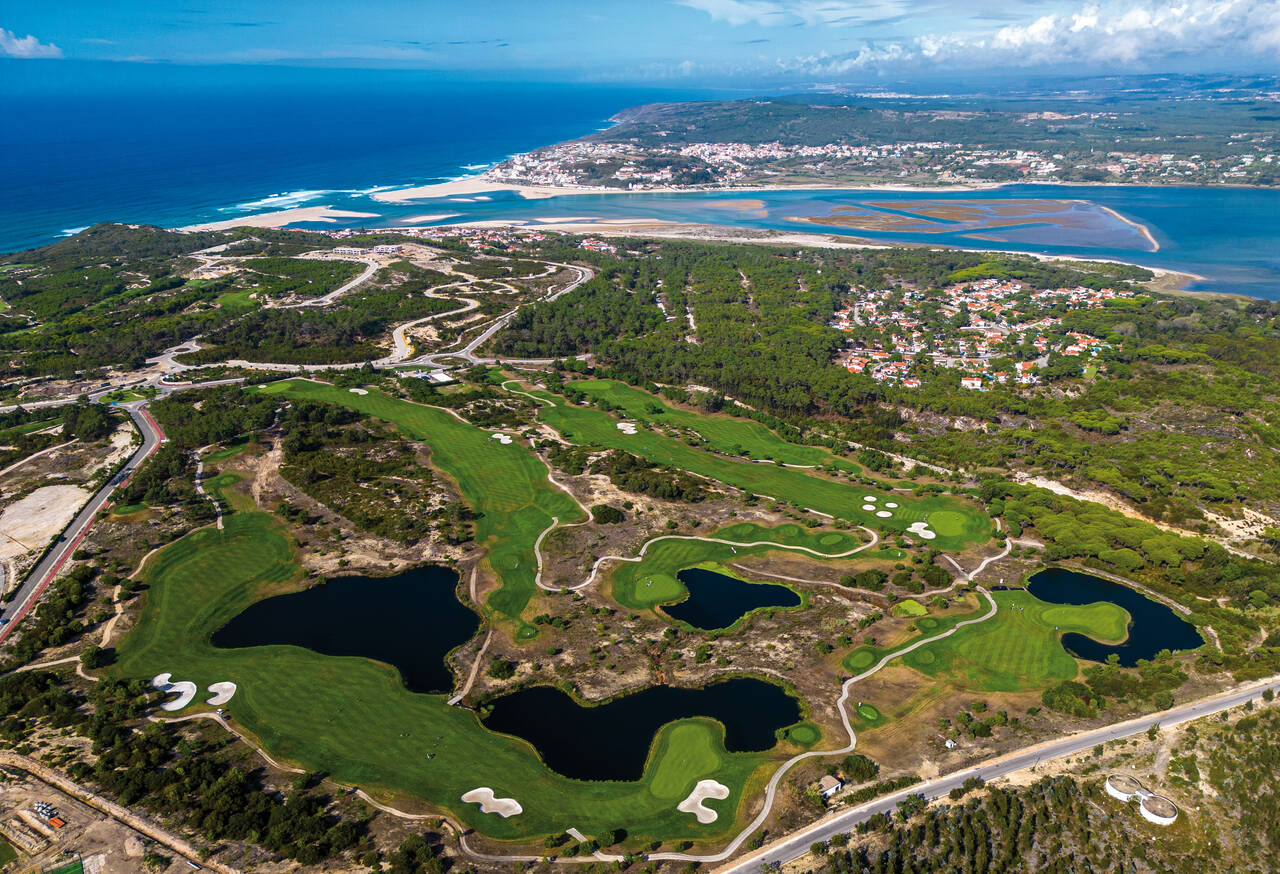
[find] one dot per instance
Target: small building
(829, 786)
(347, 250)
(386, 249)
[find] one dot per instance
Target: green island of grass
(353, 718)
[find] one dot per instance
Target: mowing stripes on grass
(504, 483)
(590, 426)
(354, 719)
(1021, 646)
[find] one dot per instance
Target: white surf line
(595, 568)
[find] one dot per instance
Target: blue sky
(675, 41)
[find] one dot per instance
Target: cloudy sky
(672, 40)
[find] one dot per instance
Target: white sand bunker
(704, 790)
(504, 439)
(222, 692)
(358, 391)
(883, 514)
(627, 427)
(891, 505)
(185, 688)
(868, 507)
(922, 529)
(484, 796)
(870, 499)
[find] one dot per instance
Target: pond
(611, 741)
(410, 621)
(1152, 627)
(717, 600)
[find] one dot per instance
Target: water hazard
(410, 621)
(1152, 627)
(611, 741)
(717, 600)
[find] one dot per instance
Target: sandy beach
(476, 185)
(282, 218)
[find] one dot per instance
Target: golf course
(954, 522)
(354, 719)
(503, 483)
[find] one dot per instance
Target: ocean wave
(284, 200)
(71, 232)
(474, 167)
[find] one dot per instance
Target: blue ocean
(172, 145)
(178, 145)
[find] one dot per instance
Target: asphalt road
(797, 844)
(47, 568)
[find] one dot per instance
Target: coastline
(665, 229)
(280, 218)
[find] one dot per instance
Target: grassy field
(354, 719)
(958, 522)
(652, 580)
(505, 484)
(730, 435)
(1021, 647)
(7, 853)
(864, 657)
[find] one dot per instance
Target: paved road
(47, 568)
(798, 843)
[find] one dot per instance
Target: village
(637, 168)
(993, 331)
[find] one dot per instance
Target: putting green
(910, 607)
(868, 713)
(949, 523)
(354, 719)
(805, 734)
(1020, 647)
(590, 426)
(506, 485)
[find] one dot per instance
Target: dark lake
(410, 621)
(717, 601)
(1152, 627)
(611, 741)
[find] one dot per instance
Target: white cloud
(26, 47)
(1134, 34)
(772, 13)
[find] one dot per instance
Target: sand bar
(281, 218)
(476, 185)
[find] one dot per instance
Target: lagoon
(1152, 626)
(611, 741)
(717, 600)
(410, 621)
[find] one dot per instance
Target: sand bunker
(504, 439)
(484, 796)
(358, 391)
(870, 499)
(883, 514)
(922, 529)
(185, 688)
(891, 505)
(222, 692)
(868, 507)
(627, 427)
(704, 790)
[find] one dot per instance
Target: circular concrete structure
(1154, 808)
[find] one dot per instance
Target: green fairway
(652, 580)
(506, 485)
(723, 433)
(866, 655)
(1020, 647)
(353, 718)
(963, 522)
